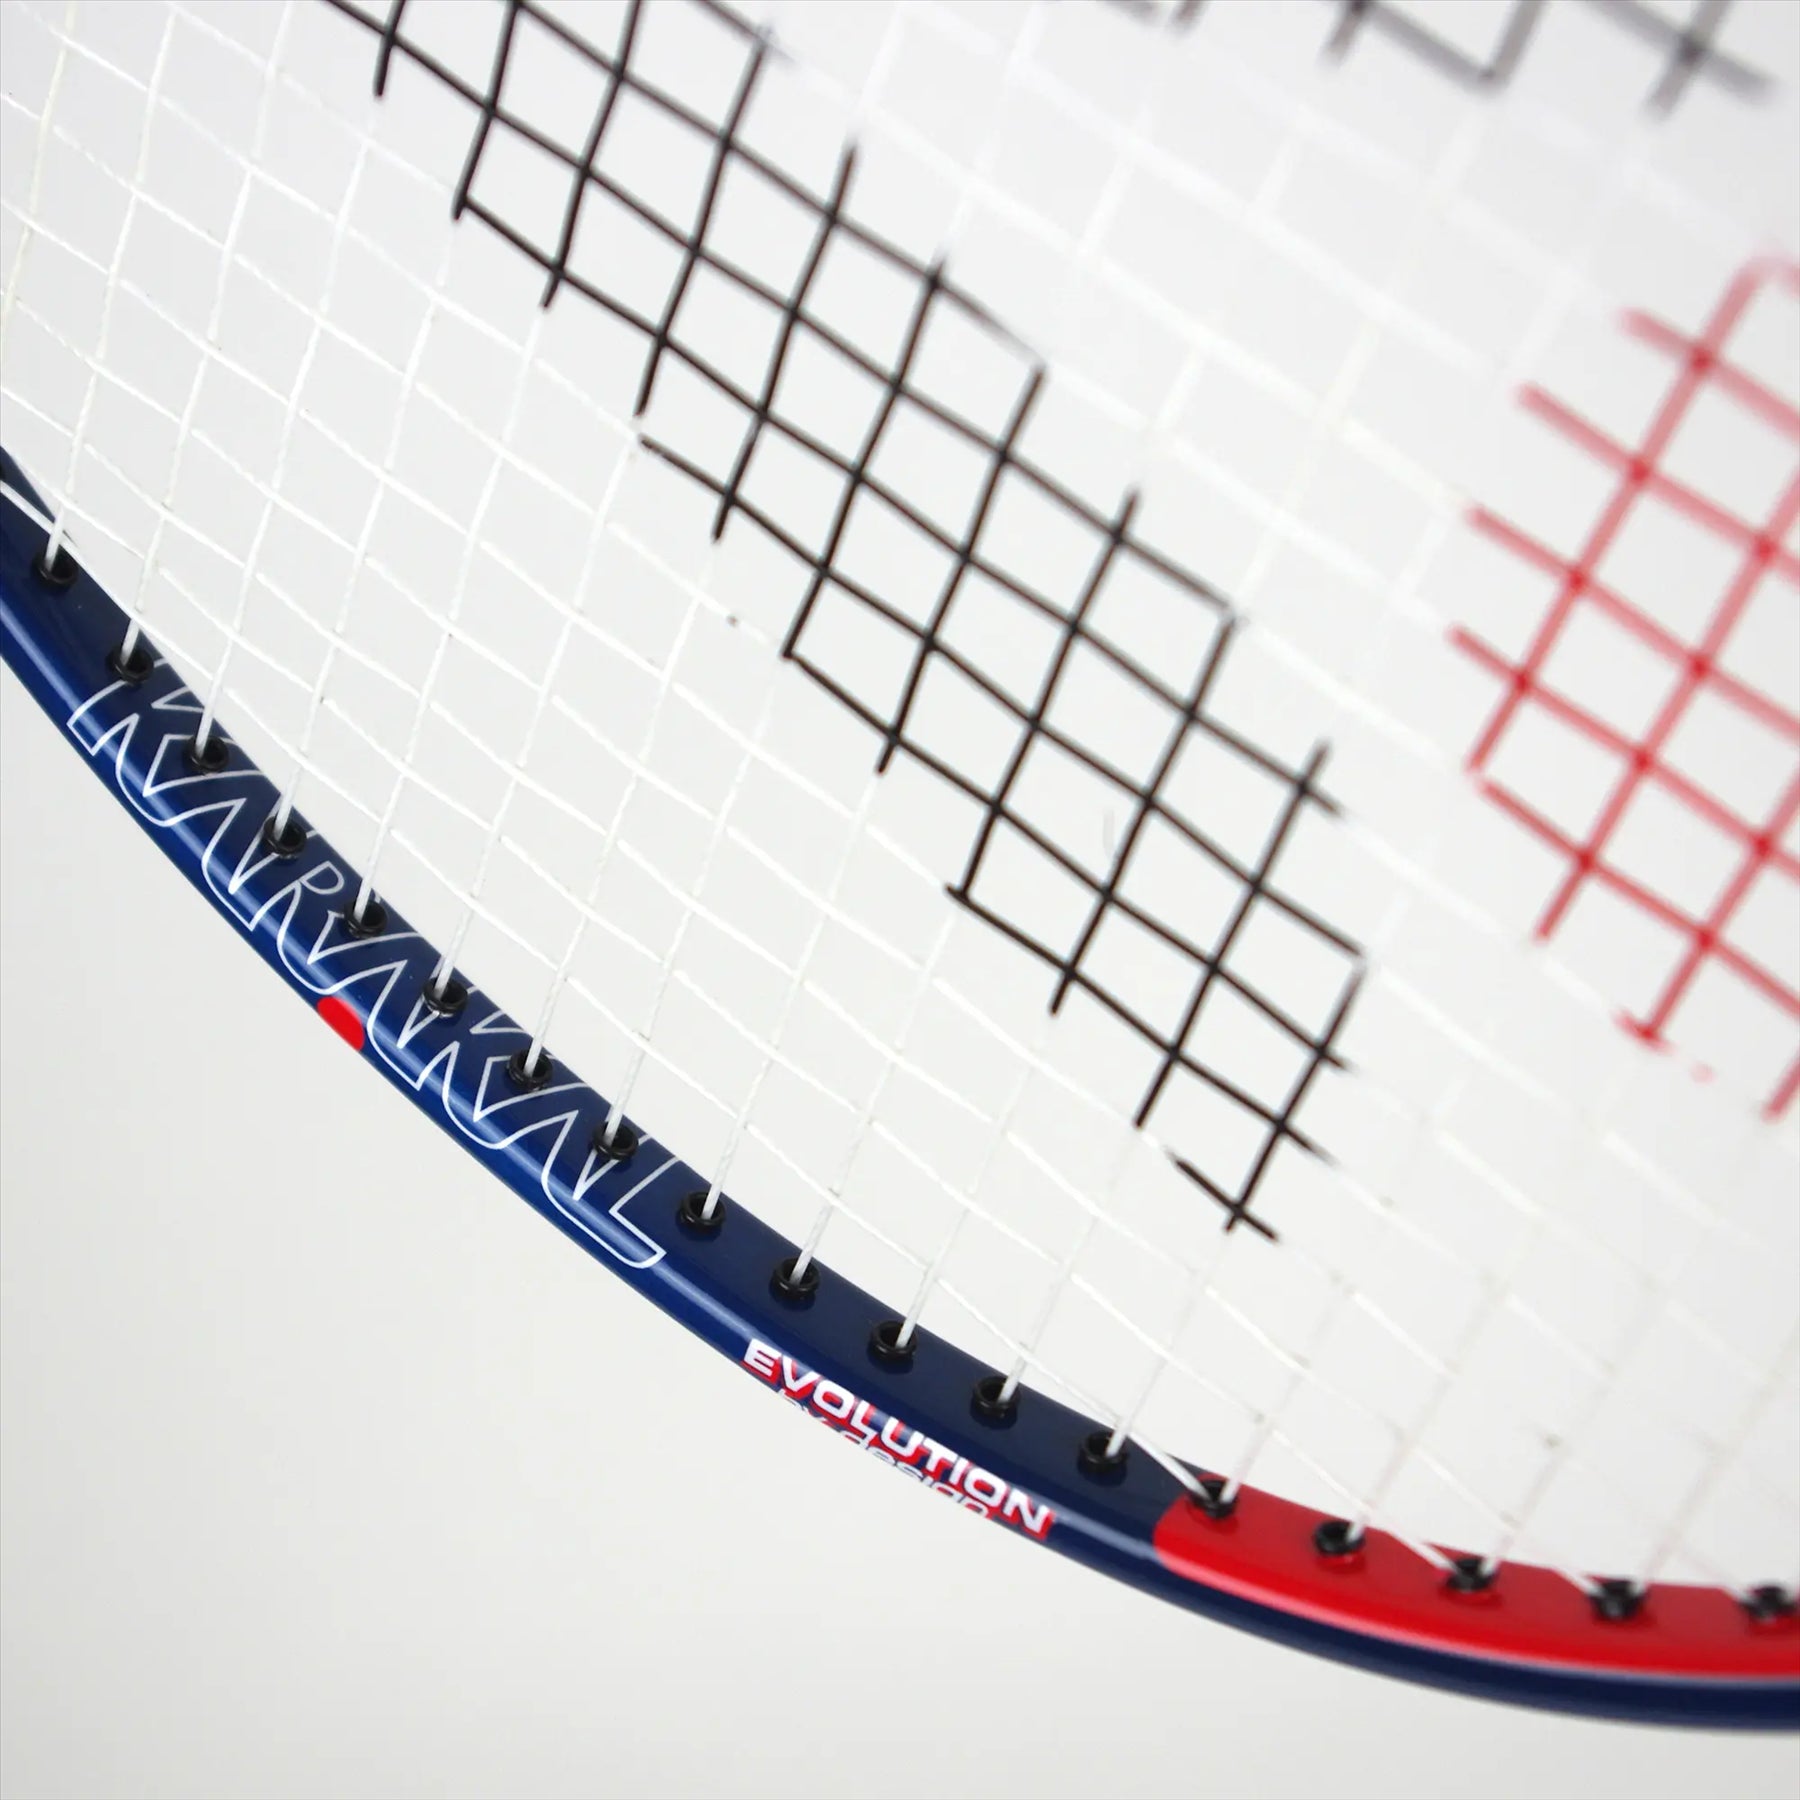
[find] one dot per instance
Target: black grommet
(134, 668)
(1098, 1460)
(286, 843)
(622, 1146)
(796, 1290)
(59, 574)
(208, 758)
(448, 1000)
(1769, 1604)
(691, 1215)
(1616, 1600)
(1470, 1575)
(1336, 1538)
(529, 1075)
(986, 1402)
(371, 922)
(1211, 1498)
(885, 1345)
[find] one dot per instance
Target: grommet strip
(59, 574)
(134, 668)
(286, 843)
(1336, 1538)
(371, 922)
(1470, 1575)
(528, 1075)
(1615, 1600)
(886, 1344)
(990, 1401)
(1769, 1604)
(622, 1146)
(691, 1215)
(446, 1001)
(1211, 1498)
(1098, 1460)
(208, 758)
(796, 1288)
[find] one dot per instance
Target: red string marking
(1638, 624)
(1704, 366)
(1688, 792)
(1745, 389)
(1648, 479)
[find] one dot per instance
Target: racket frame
(1679, 1654)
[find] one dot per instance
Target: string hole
(286, 843)
(1098, 1460)
(1616, 1600)
(59, 574)
(1769, 1604)
(371, 922)
(522, 1072)
(446, 1001)
(208, 758)
(1210, 1497)
(1470, 1575)
(134, 668)
(885, 1344)
(990, 1401)
(691, 1215)
(795, 1289)
(622, 1146)
(1336, 1538)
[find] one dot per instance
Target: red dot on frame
(343, 1020)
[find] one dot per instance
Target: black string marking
(1151, 683)
(1175, 16)
(1691, 49)
(749, 282)
(1050, 734)
(1034, 721)
(857, 473)
(1183, 699)
(1442, 55)
(1314, 1045)
(590, 153)
(790, 317)
(1144, 811)
(940, 612)
(490, 104)
(723, 146)
(1325, 1055)
(1252, 891)
(389, 31)
(682, 114)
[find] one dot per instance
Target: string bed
(901, 584)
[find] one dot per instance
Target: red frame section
(1263, 1553)
(1704, 365)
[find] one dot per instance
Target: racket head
(1670, 1654)
(1295, 1600)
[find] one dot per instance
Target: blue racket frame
(918, 1412)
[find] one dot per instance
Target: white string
(53, 550)
(335, 642)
